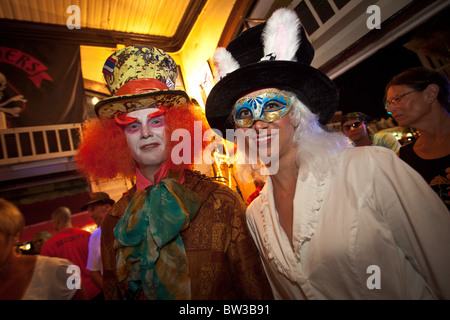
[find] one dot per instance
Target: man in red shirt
(72, 244)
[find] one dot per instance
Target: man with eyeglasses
(355, 127)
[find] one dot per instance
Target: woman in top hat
(332, 221)
(175, 234)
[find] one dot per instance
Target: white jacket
(372, 229)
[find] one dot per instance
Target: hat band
(137, 86)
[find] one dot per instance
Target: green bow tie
(149, 246)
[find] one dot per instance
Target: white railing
(27, 144)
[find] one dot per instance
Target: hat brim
(105, 201)
(311, 86)
(108, 107)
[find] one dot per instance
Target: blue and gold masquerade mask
(268, 106)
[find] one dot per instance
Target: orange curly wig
(103, 153)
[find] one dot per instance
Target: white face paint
(146, 138)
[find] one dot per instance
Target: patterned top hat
(139, 77)
(273, 54)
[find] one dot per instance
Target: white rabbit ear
(224, 62)
(281, 36)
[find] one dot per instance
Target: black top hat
(98, 197)
(273, 54)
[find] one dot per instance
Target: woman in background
(419, 98)
(30, 277)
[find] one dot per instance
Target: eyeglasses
(354, 125)
(396, 100)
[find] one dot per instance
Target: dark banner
(41, 83)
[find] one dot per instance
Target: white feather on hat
(224, 62)
(281, 35)
(281, 39)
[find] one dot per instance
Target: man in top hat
(97, 206)
(334, 221)
(175, 234)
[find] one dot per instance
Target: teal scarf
(149, 246)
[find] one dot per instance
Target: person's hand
(447, 171)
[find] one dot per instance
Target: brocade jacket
(223, 260)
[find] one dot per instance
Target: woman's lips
(264, 140)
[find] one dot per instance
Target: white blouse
(49, 281)
(371, 229)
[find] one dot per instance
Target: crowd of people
(355, 126)
(52, 255)
(337, 215)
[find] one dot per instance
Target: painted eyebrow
(123, 119)
(155, 114)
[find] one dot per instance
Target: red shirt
(72, 244)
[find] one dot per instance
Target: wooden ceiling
(165, 24)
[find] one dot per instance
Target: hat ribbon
(141, 85)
